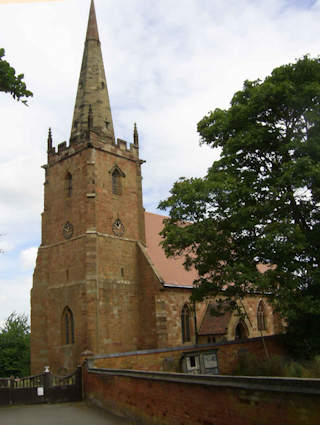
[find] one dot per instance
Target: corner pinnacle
(49, 140)
(135, 135)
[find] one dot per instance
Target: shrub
(250, 365)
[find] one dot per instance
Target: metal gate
(43, 388)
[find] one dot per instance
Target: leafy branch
(12, 83)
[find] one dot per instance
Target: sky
(168, 63)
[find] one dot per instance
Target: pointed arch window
(116, 179)
(68, 184)
(241, 331)
(116, 182)
(261, 317)
(67, 327)
(185, 323)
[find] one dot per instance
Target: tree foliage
(12, 83)
(259, 203)
(15, 346)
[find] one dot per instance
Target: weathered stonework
(94, 272)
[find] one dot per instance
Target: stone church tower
(85, 293)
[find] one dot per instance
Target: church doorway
(241, 331)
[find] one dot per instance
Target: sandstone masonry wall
(170, 359)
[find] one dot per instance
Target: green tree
(259, 203)
(12, 83)
(15, 346)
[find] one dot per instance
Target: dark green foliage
(302, 338)
(250, 365)
(15, 346)
(258, 204)
(12, 83)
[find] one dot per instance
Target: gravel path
(58, 414)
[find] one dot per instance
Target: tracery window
(261, 318)
(67, 327)
(185, 323)
(68, 184)
(116, 182)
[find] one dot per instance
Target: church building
(102, 283)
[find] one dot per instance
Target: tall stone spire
(92, 96)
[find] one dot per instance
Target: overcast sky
(168, 63)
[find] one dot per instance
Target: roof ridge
(159, 215)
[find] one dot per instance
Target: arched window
(68, 184)
(185, 323)
(116, 182)
(67, 327)
(261, 318)
(241, 331)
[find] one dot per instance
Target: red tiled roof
(171, 269)
(214, 325)
(173, 273)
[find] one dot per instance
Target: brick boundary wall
(169, 359)
(160, 398)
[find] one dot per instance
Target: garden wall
(160, 398)
(169, 359)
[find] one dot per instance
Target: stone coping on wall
(273, 384)
(198, 347)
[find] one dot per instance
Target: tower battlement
(120, 147)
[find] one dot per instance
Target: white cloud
(15, 295)
(166, 66)
(28, 258)
(5, 245)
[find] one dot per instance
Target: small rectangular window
(192, 361)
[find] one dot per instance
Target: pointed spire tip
(92, 109)
(92, 30)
